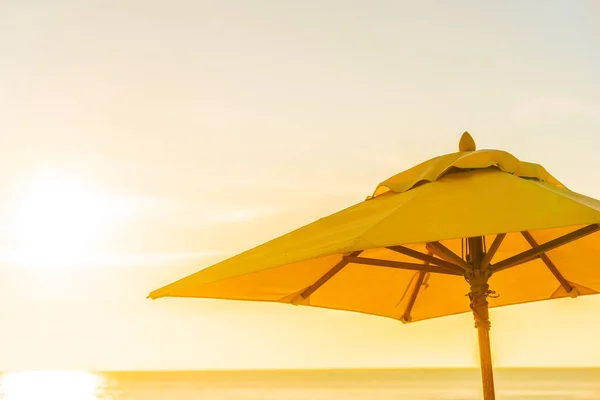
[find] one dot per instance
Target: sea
(406, 384)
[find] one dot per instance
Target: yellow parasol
(483, 217)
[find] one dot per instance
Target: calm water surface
(528, 384)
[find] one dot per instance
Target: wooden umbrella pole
(485, 359)
(479, 305)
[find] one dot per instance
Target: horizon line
(320, 369)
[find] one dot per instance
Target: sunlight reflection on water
(517, 384)
(52, 385)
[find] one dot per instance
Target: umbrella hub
(480, 291)
(478, 280)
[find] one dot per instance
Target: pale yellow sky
(142, 141)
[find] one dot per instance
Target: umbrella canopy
(425, 238)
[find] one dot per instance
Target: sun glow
(60, 219)
(51, 385)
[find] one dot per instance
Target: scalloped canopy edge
(436, 168)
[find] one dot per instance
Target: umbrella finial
(467, 143)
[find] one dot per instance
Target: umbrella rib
(413, 297)
(446, 254)
(535, 252)
(429, 259)
(328, 275)
(492, 251)
(406, 317)
(400, 265)
(533, 243)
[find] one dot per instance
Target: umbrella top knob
(466, 143)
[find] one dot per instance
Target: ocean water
(416, 384)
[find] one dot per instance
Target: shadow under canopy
(456, 224)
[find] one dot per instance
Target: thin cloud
(11, 258)
(242, 215)
(197, 214)
(557, 107)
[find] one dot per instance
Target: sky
(143, 141)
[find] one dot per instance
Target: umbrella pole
(479, 305)
(485, 357)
